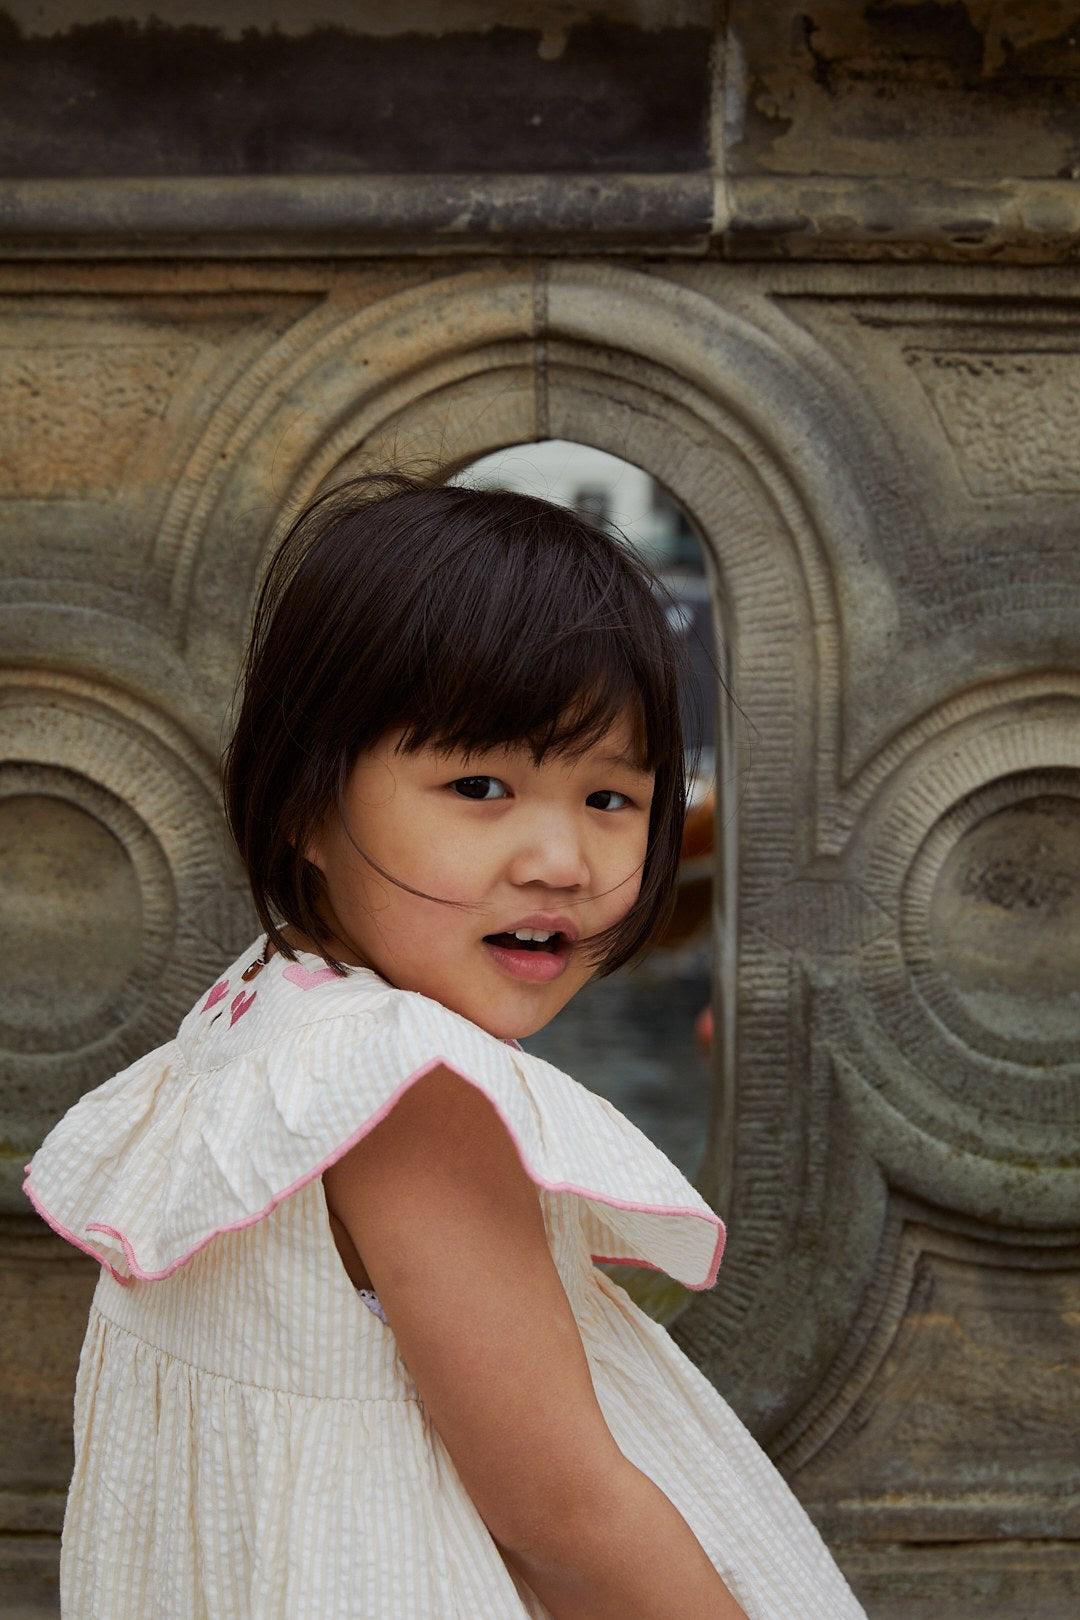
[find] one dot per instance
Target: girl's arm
(450, 1231)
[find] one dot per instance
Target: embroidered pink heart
(218, 993)
(304, 978)
(240, 1005)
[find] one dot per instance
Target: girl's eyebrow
(626, 762)
(605, 761)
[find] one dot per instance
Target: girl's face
(550, 851)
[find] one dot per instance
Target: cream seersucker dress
(249, 1444)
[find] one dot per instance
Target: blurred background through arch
(631, 1037)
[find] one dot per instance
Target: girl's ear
(310, 845)
(312, 851)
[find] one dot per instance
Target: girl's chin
(509, 1018)
(509, 999)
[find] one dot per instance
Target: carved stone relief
(117, 877)
(975, 1325)
(1005, 416)
(78, 415)
(898, 1050)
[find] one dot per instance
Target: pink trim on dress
(62, 1231)
(630, 1205)
(645, 1265)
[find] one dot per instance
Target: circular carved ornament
(990, 918)
(119, 898)
(967, 1011)
(87, 901)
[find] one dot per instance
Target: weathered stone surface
(904, 89)
(924, 1582)
(158, 95)
(46, 1289)
(881, 461)
(966, 1333)
(947, 129)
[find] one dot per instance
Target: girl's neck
(339, 948)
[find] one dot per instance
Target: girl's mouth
(533, 954)
(527, 939)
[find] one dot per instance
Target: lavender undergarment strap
(373, 1303)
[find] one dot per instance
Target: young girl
(349, 1354)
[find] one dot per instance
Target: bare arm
(450, 1231)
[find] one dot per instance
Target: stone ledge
(345, 215)
(1017, 221)
(747, 217)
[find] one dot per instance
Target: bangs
(525, 638)
(560, 705)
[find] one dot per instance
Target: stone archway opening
(631, 1037)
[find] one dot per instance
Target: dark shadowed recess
(122, 98)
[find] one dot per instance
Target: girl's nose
(551, 852)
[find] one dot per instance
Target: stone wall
(825, 294)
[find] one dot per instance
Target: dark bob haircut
(463, 618)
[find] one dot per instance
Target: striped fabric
(249, 1445)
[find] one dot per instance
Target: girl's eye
(607, 799)
(480, 787)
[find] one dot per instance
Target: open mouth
(528, 939)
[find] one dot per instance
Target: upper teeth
(539, 934)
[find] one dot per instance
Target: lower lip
(534, 967)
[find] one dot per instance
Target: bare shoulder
(450, 1230)
(442, 1140)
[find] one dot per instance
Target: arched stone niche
(628, 363)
